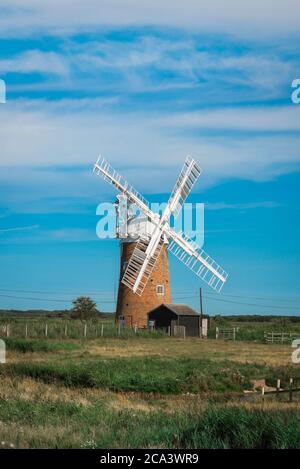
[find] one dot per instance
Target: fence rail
(290, 390)
(280, 337)
(226, 334)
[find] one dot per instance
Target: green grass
(254, 330)
(70, 400)
(66, 425)
(38, 345)
(59, 328)
(63, 328)
(242, 428)
(147, 375)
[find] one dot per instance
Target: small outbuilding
(170, 317)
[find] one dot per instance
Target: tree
(84, 308)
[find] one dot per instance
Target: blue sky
(145, 86)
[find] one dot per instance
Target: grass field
(143, 391)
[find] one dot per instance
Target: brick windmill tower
(132, 308)
(145, 239)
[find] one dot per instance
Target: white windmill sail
(137, 272)
(109, 174)
(141, 264)
(196, 259)
(147, 250)
(183, 186)
(149, 246)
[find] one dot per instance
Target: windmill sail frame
(147, 250)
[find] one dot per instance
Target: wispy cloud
(242, 206)
(50, 138)
(149, 63)
(70, 235)
(151, 96)
(59, 235)
(61, 16)
(35, 61)
(19, 228)
(255, 118)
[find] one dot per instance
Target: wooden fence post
(217, 332)
(7, 330)
(234, 333)
(102, 329)
(278, 387)
(26, 330)
(135, 329)
(85, 330)
(119, 329)
(169, 330)
(66, 329)
(263, 393)
(184, 332)
(46, 330)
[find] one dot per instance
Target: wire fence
(72, 329)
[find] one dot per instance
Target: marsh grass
(147, 375)
(39, 345)
(139, 392)
(67, 425)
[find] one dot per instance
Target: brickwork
(135, 308)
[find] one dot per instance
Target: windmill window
(160, 290)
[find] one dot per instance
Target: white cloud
(259, 119)
(148, 148)
(255, 18)
(151, 64)
(35, 61)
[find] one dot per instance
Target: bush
(84, 308)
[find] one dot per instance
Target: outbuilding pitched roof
(181, 310)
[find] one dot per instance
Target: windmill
(146, 240)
